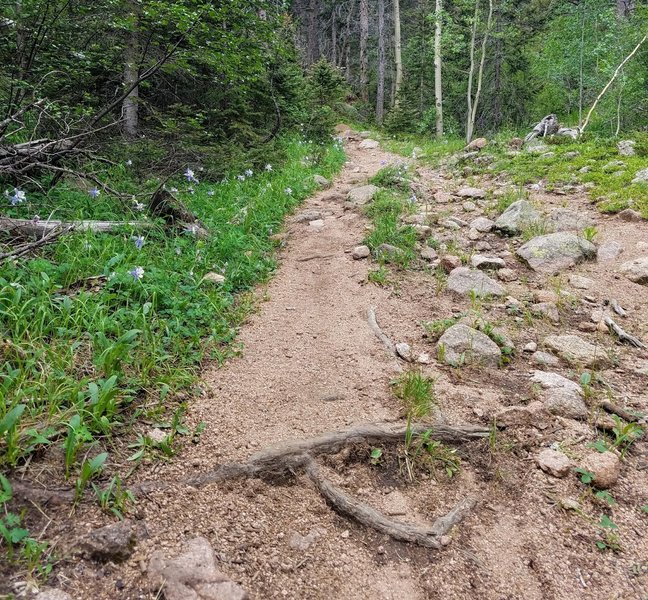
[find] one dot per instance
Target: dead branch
(620, 412)
(373, 323)
(609, 83)
(164, 204)
(293, 455)
(29, 228)
(624, 336)
(424, 535)
(314, 257)
(548, 126)
(23, 249)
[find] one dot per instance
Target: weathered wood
(164, 204)
(30, 228)
(548, 126)
(623, 335)
(620, 412)
(423, 535)
(373, 323)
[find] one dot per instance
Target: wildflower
(240, 177)
(139, 206)
(268, 167)
(288, 191)
(129, 163)
(17, 197)
(174, 190)
(36, 218)
(139, 242)
(189, 174)
(178, 251)
(248, 172)
(192, 229)
(210, 193)
(413, 199)
(137, 273)
(190, 190)
(94, 193)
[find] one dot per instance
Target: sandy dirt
(311, 364)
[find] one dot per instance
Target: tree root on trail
(620, 412)
(373, 323)
(624, 336)
(423, 535)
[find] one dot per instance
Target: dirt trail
(310, 364)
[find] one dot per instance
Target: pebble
(360, 252)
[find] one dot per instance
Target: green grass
(86, 350)
(416, 391)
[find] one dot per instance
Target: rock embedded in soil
(321, 182)
(577, 351)
(360, 252)
(560, 395)
(212, 277)
(517, 217)
(631, 216)
(404, 351)
(307, 216)
(479, 261)
(641, 176)
(389, 252)
(113, 543)
(556, 251)
(463, 280)
(580, 282)
(361, 195)
(544, 359)
(553, 462)
(52, 594)
(507, 275)
(533, 414)
(627, 147)
(546, 309)
(636, 270)
(469, 206)
(369, 144)
(461, 344)
(476, 144)
(471, 192)
(429, 254)
(605, 466)
(450, 262)
(608, 251)
(443, 197)
(563, 219)
(192, 575)
(482, 224)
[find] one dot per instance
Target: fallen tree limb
(620, 412)
(623, 335)
(292, 456)
(48, 238)
(373, 323)
(29, 228)
(424, 535)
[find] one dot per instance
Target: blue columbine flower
(94, 193)
(248, 172)
(138, 206)
(288, 191)
(18, 197)
(129, 162)
(210, 193)
(139, 242)
(137, 273)
(268, 167)
(240, 177)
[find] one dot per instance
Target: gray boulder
(636, 270)
(321, 182)
(641, 176)
(482, 224)
(560, 395)
(111, 543)
(362, 194)
(463, 280)
(517, 217)
(563, 219)
(461, 344)
(627, 147)
(577, 351)
(556, 252)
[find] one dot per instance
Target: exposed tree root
(373, 323)
(624, 336)
(424, 535)
(619, 412)
(28, 228)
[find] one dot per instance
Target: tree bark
(474, 103)
(438, 87)
(313, 41)
(380, 93)
(624, 8)
(398, 60)
(334, 58)
(130, 106)
(364, 58)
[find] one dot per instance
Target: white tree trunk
(380, 93)
(398, 59)
(474, 103)
(364, 58)
(438, 88)
(130, 106)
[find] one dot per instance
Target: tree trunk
(364, 58)
(313, 41)
(474, 103)
(334, 58)
(380, 94)
(398, 60)
(130, 106)
(580, 70)
(624, 8)
(438, 88)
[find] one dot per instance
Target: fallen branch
(617, 308)
(373, 323)
(314, 257)
(623, 335)
(424, 535)
(29, 228)
(620, 412)
(23, 249)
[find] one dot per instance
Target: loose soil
(310, 364)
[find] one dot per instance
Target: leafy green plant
(114, 498)
(8, 432)
(375, 456)
(589, 233)
(435, 329)
(379, 276)
(625, 434)
(585, 476)
(89, 469)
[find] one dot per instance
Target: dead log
(30, 228)
(423, 535)
(624, 336)
(620, 412)
(165, 205)
(47, 238)
(548, 126)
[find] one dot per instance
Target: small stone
(360, 252)
(630, 215)
(463, 280)
(553, 462)
(52, 594)
(530, 347)
(477, 144)
(444, 540)
(317, 225)
(404, 351)
(482, 224)
(307, 216)
(303, 542)
(429, 254)
(563, 219)
(321, 182)
(369, 144)
(570, 504)
(443, 197)
(469, 206)
(605, 466)
(450, 262)
(546, 309)
(577, 351)
(636, 270)
(423, 358)
(111, 543)
(613, 165)
(449, 224)
(212, 277)
(157, 435)
(461, 344)
(388, 252)
(580, 283)
(507, 275)
(423, 232)
(474, 235)
(584, 170)
(544, 359)
(483, 246)
(345, 534)
(479, 261)
(471, 192)
(560, 395)
(359, 196)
